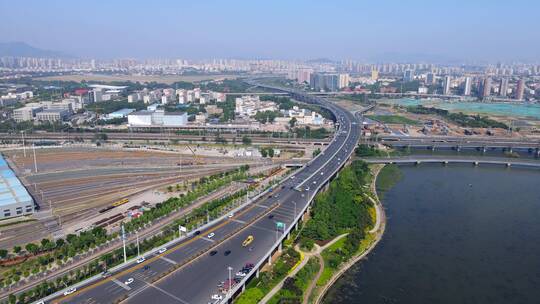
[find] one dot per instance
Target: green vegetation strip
(294, 288)
(393, 119)
(258, 287)
(464, 120)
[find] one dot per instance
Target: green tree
(246, 140)
(17, 249)
(3, 253)
(292, 122)
(32, 248)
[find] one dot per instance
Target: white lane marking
(121, 284)
(262, 228)
(167, 293)
(207, 239)
(168, 260)
(238, 221)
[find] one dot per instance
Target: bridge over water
(443, 159)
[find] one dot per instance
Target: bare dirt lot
(167, 79)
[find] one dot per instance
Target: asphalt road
(196, 280)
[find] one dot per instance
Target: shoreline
(381, 220)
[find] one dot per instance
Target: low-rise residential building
(26, 113)
(250, 105)
(201, 117)
(213, 110)
(52, 115)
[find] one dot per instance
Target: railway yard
(76, 187)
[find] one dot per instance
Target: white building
(52, 115)
(249, 105)
(26, 113)
(157, 118)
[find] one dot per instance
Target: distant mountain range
(22, 49)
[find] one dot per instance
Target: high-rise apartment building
(430, 78)
(446, 86)
(503, 87)
(344, 80)
(408, 75)
(374, 74)
(486, 88)
(467, 86)
(520, 90)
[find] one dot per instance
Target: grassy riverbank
(387, 178)
(343, 226)
(337, 232)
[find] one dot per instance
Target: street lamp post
(138, 250)
(230, 281)
(124, 242)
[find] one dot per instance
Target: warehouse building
(157, 118)
(14, 198)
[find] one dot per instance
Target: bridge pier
(508, 165)
(476, 164)
(257, 273)
(484, 149)
(296, 226)
(510, 150)
(458, 148)
(445, 162)
(432, 148)
(417, 162)
(280, 247)
(269, 260)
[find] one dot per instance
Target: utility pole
(124, 241)
(35, 162)
(23, 144)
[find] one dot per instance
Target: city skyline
(388, 31)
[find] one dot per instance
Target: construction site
(76, 188)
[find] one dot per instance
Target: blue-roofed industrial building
(14, 198)
(122, 113)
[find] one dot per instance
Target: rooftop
(11, 189)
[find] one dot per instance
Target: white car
(128, 281)
(70, 291)
(161, 250)
(240, 274)
(230, 215)
(140, 260)
(216, 297)
(211, 235)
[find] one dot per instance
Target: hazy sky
(364, 30)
